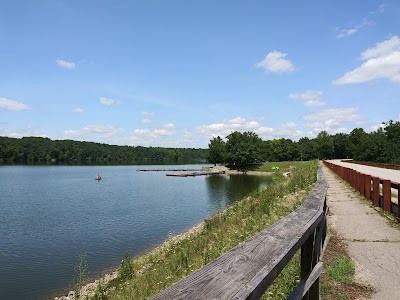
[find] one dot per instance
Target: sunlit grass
(179, 257)
(282, 165)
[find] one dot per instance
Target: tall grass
(179, 257)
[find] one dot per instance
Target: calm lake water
(49, 214)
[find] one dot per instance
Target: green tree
(356, 138)
(374, 147)
(216, 152)
(392, 132)
(306, 148)
(341, 146)
(243, 149)
(324, 145)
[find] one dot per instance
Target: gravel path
(371, 242)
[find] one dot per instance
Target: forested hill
(37, 149)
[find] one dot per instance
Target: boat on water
(98, 177)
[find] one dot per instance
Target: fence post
(362, 185)
(368, 187)
(387, 195)
(398, 202)
(375, 183)
(357, 175)
(309, 258)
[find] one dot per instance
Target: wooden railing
(249, 269)
(373, 164)
(378, 190)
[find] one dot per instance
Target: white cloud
(147, 113)
(225, 127)
(348, 32)
(382, 49)
(78, 110)
(381, 8)
(376, 127)
(146, 121)
(20, 133)
(65, 64)
(186, 134)
(382, 61)
(92, 132)
(12, 105)
(310, 98)
(365, 22)
(106, 101)
(275, 62)
(154, 133)
(288, 130)
(332, 120)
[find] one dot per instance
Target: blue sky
(176, 73)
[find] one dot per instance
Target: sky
(177, 73)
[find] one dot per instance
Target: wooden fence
(378, 190)
(373, 164)
(249, 269)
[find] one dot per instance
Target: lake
(50, 214)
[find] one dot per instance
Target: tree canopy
(216, 153)
(42, 150)
(244, 149)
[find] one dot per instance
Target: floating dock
(167, 170)
(186, 172)
(192, 174)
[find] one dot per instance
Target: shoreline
(89, 289)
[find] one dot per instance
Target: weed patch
(337, 281)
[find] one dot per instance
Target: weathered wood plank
(306, 283)
(248, 269)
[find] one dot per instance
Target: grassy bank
(147, 275)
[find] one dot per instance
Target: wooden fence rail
(249, 269)
(378, 190)
(373, 164)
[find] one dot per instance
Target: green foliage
(342, 269)
(216, 152)
(324, 145)
(341, 148)
(126, 270)
(42, 150)
(243, 149)
(81, 272)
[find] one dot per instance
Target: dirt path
(371, 242)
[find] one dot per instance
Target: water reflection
(224, 190)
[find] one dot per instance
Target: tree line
(238, 149)
(43, 150)
(244, 149)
